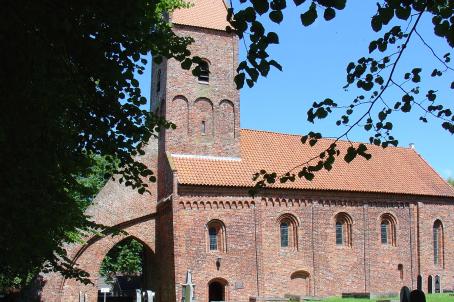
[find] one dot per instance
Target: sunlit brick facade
(341, 234)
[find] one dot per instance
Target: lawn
(429, 298)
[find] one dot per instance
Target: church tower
(204, 108)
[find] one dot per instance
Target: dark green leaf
(309, 16)
(329, 14)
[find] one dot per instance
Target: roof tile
(391, 170)
(203, 13)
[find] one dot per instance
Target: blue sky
(314, 60)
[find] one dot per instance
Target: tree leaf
(329, 14)
(276, 16)
(309, 16)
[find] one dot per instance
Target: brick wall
(187, 102)
(115, 205)
(365, 266)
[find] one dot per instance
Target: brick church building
(367, 227)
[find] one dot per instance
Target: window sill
(203, 83)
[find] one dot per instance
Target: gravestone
(138, 295)
(417, 296)
(150, 296)
(437, 284)
(405, 294)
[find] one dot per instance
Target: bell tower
(204, 108)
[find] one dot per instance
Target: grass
(429, 298)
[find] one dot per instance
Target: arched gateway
(125, 209)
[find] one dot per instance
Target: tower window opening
(204, 74)
(203, 128)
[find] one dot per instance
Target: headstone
(138, 295)
(405, 294)
(188, 289)
(437, 284)
(150, 296)
(419, 282)
(417, 296)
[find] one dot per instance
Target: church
(364, 227)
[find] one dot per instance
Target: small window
(339, 234)
(213, 233)
(388, 229)
(384, 232)
(438, 242)
(216, 236)
(204, 75)
(284, 234)
(158, 81)
(288, 231)
(343, 229)
(203, 128)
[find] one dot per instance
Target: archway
(216, 290)
(429, 285)
(300, 283)
(128, 266)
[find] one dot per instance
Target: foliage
(68, 92)
(124, 258)
(373, 75)
(451, 181)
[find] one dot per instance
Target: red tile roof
(391, 170)
(203, 13)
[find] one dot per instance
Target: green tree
(124, 258)
(69, 91)
(451, 181)
(373, 75)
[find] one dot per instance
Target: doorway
(216, 290)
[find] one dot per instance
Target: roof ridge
(325, 138)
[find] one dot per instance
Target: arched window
(288, 226)
(438, 242)
(204, 74)
(216, 236)
(388, 229)
(284, 234)
(343, 229)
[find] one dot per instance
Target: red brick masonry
(204, 168)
